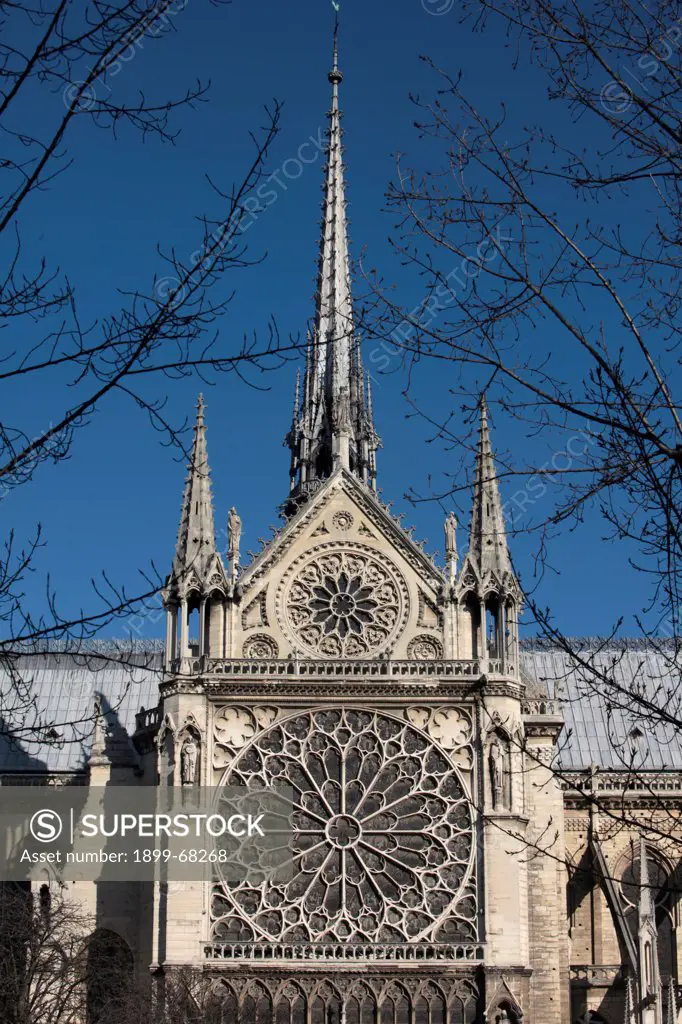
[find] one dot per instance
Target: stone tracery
(314, 1001)
(384, 847)
(344, 602)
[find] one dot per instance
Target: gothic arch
(193, 610)
(361, 1005)
(223, 1001)
(504, 1006)
(325, 1005)
(290, 1004)
(462, 1006)
(215, 623)
(394, 1005)
(255, 1005)
(470, 624)
(430, 1005)
(662, 877)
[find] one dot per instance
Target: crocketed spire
(333, 424)
(195, 551)
(487, 537)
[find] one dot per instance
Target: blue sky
(115, 504)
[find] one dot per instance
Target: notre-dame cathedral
(450, 864)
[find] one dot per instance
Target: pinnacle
(196, 535)
(487, 536)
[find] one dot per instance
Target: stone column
(184, 629)
(548, 926)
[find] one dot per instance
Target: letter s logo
(46, 826)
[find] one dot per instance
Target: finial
(200, 410)
(335, 76)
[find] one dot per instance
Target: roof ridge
(588, 643)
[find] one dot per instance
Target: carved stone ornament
(383, 842)
(342, 520)
(343, 602)
(260, 645)
(449, 727)
(425, 648)
(234, 727)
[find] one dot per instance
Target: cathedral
(453, 859)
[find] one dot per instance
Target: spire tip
(335, 76)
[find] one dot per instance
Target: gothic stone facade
(430, 883)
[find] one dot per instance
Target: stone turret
(197, 582)
(486, 593)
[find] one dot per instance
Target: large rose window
(344, 603)
(383, 836)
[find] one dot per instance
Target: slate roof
(599, 720)
(63, 687)
(605, 723)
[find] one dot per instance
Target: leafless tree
(57, 966)
(542, 291)
(59, 62)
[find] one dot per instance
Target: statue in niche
(496, 758)
(189, 756)
(234, 532)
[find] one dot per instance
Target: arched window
(109, 975)
(660, 881)
(323, 463)
(429, 1007)
(360, 1006)
(395, 1006)
(221, 1006)
(193, 624)
(256, 1006)
(290, 1005)
(326, 1006)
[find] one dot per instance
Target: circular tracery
(344, 602)
(383, 836)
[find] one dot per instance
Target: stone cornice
(241, 689)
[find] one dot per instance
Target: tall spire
(196, 548)
(487, 537)
(334, 427)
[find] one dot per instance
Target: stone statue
(451, 536)
(188, 761)
(234, 532)
(496, 765)
(450, 528)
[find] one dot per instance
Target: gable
(342, 579)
